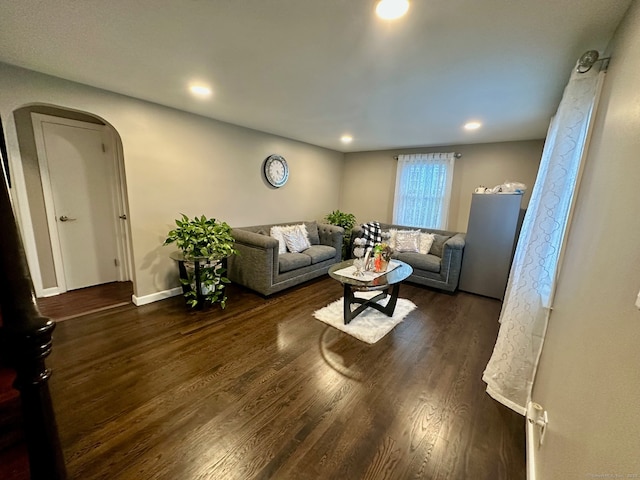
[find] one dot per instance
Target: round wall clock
(276, 170)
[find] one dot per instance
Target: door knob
(64, 218)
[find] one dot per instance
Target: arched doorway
(72, 162)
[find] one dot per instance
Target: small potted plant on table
(204, 244)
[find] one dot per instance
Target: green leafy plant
(346, 221)
(206, 241)
(341, 219)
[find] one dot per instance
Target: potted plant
(346, 221)
(205, 244)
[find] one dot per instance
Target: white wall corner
(155, 297)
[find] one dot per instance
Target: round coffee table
(388, 283)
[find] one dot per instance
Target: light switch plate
(638, 301)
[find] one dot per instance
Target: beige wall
(369, 177)
(178, 162)
(588, 379)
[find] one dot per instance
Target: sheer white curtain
(423, 190)
(525, 311)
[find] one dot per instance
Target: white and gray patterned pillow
(296, 239)
(407, 241)
(277, 232)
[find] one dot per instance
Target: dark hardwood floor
(79, 302)
(263, 390)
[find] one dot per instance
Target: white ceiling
(313, 70)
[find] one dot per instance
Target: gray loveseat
(260, 267)
(440, 268)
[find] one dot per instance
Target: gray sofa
(440, 268)
(258, 265)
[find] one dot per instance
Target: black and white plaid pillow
(371, 233)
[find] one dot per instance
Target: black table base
(350, 299)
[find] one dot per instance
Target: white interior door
(79, 177)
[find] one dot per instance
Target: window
(423, 190)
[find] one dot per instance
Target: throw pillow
(303, 228)
(407, 241)
(296, 239)
(277, 233)
(392, 237)
(438, 244)
(312, 233)
(426, 240)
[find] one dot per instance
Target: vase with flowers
(381, 256)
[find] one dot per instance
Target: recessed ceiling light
(392, 9)
(472, 125)
(346, 139)
(200, 90)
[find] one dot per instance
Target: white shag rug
(371, 325)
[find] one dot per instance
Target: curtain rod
(457, 155)
(589, 59)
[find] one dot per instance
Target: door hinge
(116, 262)
(104, 148)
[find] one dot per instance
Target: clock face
(276, 170)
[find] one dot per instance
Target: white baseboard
(155, 297)
(50, 292)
